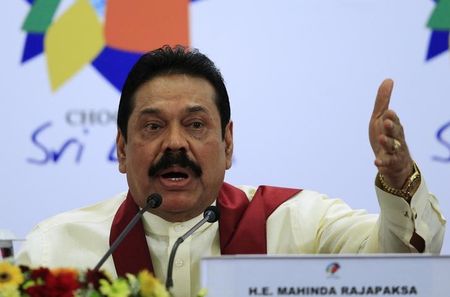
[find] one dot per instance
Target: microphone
(153, 201)
(210, 215)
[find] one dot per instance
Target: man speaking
(175, 139)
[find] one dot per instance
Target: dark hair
(172, 60)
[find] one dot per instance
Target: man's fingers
(392, 126)
(383, 98)
(391, 145)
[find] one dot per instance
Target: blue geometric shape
(438, 44)
(115, 64)
(34, 45)
(99, 6)
(30, 2)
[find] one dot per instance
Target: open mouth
(174, 176)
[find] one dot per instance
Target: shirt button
(414, 213)
(179, 263)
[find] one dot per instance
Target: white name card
(384, 275)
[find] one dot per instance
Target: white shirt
(308, 223)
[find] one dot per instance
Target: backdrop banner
(302, 78)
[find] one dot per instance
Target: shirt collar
(156, 225)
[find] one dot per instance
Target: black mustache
(171, 158)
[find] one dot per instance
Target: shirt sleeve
(313, 223)
(399, 220)
(33, 249)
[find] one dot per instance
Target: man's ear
(121, 151)
(228, 137)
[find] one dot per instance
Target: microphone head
(154, 200)
(212, 213)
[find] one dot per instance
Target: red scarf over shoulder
(242, 226)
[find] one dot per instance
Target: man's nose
(175, 139)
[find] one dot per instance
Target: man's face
(175, 117)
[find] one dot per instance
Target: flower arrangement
(18, 281)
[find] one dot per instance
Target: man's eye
(197, 125)
(152, 126)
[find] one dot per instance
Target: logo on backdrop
(439, 23)
(443, 137)
(107, 35)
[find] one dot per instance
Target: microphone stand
(153, 201)
(210, 215)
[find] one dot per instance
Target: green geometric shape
(40, 16)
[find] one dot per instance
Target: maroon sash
(242, 226)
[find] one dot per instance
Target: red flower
(36, 291)
(57, 283)
(93, 277)
(40, 273)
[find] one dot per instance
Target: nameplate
(386, 275)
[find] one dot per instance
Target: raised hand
(388, 139)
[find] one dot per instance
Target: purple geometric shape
(438, 44)
(115, 64)
(34, 45)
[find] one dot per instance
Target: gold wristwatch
(409, 187)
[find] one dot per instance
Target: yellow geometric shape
(72, 41)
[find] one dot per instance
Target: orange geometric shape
(143, 25)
